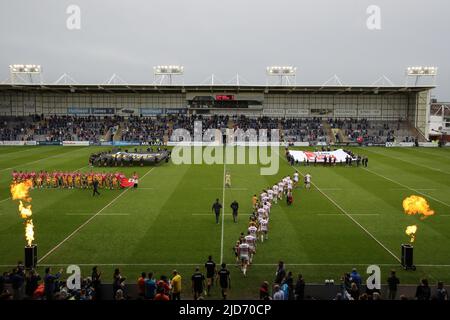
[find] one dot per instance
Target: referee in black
(95, 185)
(216, 208)
(235, 206)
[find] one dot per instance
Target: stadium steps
(107, 136)
(168, 132)
(118, 135)
(329, 131)
(415, 132)
(343, 137)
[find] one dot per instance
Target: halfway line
(223, 211)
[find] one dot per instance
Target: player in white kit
(295, 179)
(275, 193)
(251, 240)
(263, 229)
(289, 185)
(307, 181)
(266, 207)
(244, 250)
(263, 194)
(270, 194)
(260, 212)
(280, 190)
(252, 229)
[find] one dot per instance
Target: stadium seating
(159, 129)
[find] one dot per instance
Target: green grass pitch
(351, 217)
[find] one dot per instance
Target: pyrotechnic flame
(417, 205)
(20, 191)
(411, 232)
(29, 231)
(25, 211)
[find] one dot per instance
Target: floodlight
(281, 70)
(421, 71)
(168, 70)
(25, 68)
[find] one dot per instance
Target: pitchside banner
(12, 143)
(433, 144)
(399, 144)
(75, 143)
(303, 156)
(49, 143)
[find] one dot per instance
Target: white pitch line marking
(405, 186)
(355, 214)
(350, 217)
(223, 211)
(353, 219)
(410, 162)
(423, 189)
(8, 153)
(208, 214)
(5, 200)
(39, 160)
(101, 214)
(89, 220)
(438, 154)
(243, 189)
(254, 264)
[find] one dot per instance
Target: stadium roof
(152, 88)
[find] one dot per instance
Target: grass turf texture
(167, 223)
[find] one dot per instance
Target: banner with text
(304, 156)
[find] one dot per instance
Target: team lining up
(258, 228)
(78, 180)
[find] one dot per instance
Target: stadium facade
(409, 103)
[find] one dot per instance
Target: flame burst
(417, 205)
(20, 191)
(29, 231)
(411, 232)
(25, 211)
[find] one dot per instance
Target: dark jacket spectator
(96, 283)
(32, 282)
(281, 273)
(300, 288)
(356, 277)
(118, 283)
(423, 291)
(393, 283)
(441, 292)
(50, 282)
(354, 291)
(264, 293)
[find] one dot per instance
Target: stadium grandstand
(375, 115)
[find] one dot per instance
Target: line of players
(70, 180)
(258, 227)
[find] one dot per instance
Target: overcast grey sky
(225, 37)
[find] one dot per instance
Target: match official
(216, 208)
(95, 185)
(235, 206)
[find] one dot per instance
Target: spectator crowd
(21, 284)
(154, 130)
